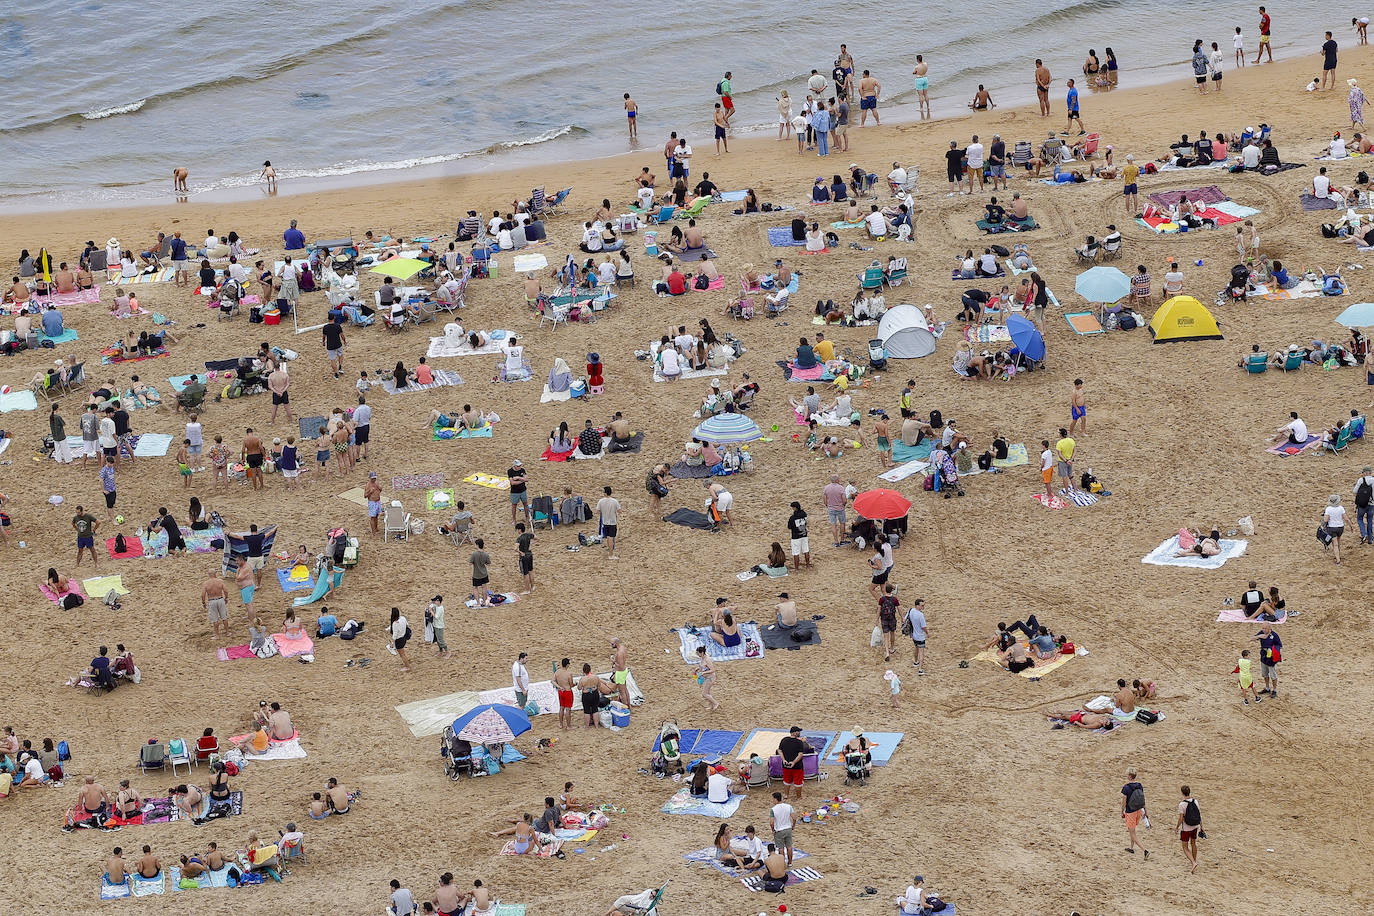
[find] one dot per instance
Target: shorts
(1130, 189)
(1269, 672)
(334, 354)
(836, 516)
(881, 578)
(608, 531)
(801, 546)
(254, 461)
(1264, 39)
(522, 497)
(792, 777)
(195, 449)
(1216, 77)
(868, 103)
(839, 130)
(727, 103)
(1202, 79)
(257, 562)
(526, 564)
(322, 455)
(630, 115)
(86, 543)
(290, 475)
(1076, 412)
(918, 643)
(1073, 112)
(1335, 532)
(179, 265)
(283, 398)
(374, 508)
(478, 583)
(1133, 818)
(1187, 835)
(400, 641)
(783, 838)
(1016, 667)
(110, 499)
(620, 678)
(1065, 469)
(111, 451)
(954, 174)
(922, 83)
(1047, 475)
(997, 171)
(91, 447)
(361, 434)
(720, 132)
(218, 609)
(565, 697)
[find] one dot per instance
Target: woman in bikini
(291, 627)
(57, 582)
(706, 678)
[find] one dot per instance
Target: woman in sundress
(1357, 101)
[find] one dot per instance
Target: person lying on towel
(1192, 542)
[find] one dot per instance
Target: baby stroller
(457, 754)
(668, 758)
(855, 768)
(877, 354)
(1240, 278)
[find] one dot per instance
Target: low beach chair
(1342, 440)
(898, 272)
(872, 277)
(152, 756)
(1021, 154)
(539, 204)
(396, 521)
(1292, 362)
(695, 209)
(178, 754)
(1090, 144)
(664, 214)
(557, 200)
(652, 908)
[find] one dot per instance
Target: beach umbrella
(727, 429)
(1359, 315)
(1102, 284)
(400, 268)
(491, 723)
(1026, 337)
(882, 504)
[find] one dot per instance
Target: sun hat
(1333, 499)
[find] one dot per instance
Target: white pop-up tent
(904, 333)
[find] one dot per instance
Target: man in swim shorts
(869, 90)
(336, 797)
(792, 750)
(922, 85)
(372, 492)
(620, 672)
(215, 599)
(722, 120)
(253, 456)
(1042, 87)
(1078, 408)
(631, 116)
(563, 682)
(1079, 718)
(726, 100)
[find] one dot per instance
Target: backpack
(907, 628)
(1136, 800)
(701, 282)
(719, 85)
(1146, 717)
(1328, 231)
(120, 545)
(64, 751)
(1126, 322)
(1363, 492)
(1192, 817)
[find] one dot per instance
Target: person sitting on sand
(337, 797)
(1143, 690)
(1014, 658)
(727, 633)
(279, 724)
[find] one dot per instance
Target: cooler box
(271, 317)
(620, 717)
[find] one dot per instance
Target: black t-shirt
(955, 160)
(524, 541)
(1329, 49)
(207, 276)
(1127, 790)
(516, 486)
(978, 295)
(121, 422)
(797, 525)
(254, 542)
(792, 749)
(705, 188)
(997, 153)
(333, 336)
(1251, 600)
(996, 212)
(999, 448)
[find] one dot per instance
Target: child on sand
(1247, 681)
(184, 463)
(896, 685)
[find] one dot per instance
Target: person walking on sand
(1133, 811)
(399, 630)
(801, 540)
(1329, 62)
(1245, 677)
(632, 116)
(1264, 44)
(869, 90)
(1042, 87)
(608, 513)
(920, 630)
(1189, 825)
(706, 679)
(1071, 102)
(1240, 48)
(922, 84)
(722, 121)
(1078, 408)
(563, 683)
(1333, 523)
(1271, 653)
(784, 115)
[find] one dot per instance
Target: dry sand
(996, 810)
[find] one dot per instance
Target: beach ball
(4, 389)
(775, 427)
(119, 519)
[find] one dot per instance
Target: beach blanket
(490, 481)
(439, 346)
(987, 333)
(310, 426)
(1163, 555)
(417, 481)
(100, 586)
(1308, 202)
(692, 373)
(430, 716)
(202, 541)
(764, 742)
(902, 452)
(684, 471)
(881, 746)
(1016, 457)
(1209, 195)
(75, 297)
(1288, 449)
(682, 802)
(1219, 164)
(73, 588)
(157, 276)
(1049, 502)
(354, 496)
(441, 499)
(133, 548)
(289, 648)
(1042, 666)
(152, 445)
(538, 852)
(1083, 322)
(146, 887)
(442, 379)
(816, 373)
(485, 431)
(696, 254)
(903, 471)
(1237, 615)
(1080, 498)
(1009, 225)
(18, 400)
(1017, 271)
(781, 237)
(714, 284)
(690, 518)
(715, 651)
(841, 224)
(1305, 289)
(1231, 208)
(565, 395)
(775, 636)
(289, 749)
(67, 336)
(110, 356)
(1163, 225)
(234, 653)
(794, 876)
(110, 891)
(509, 598)
(289, 584)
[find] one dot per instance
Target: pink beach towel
(78, 297)
(73, 588)
(292, 647)
(233, 653)
(807, 375)
(1237, 615)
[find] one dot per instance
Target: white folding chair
(555, 315)
(396, 521)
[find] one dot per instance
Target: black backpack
(1363, 492)
(1136, 800)
(1192, 817)
(1328, 231)
(120, 545)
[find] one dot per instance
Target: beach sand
(997, 811)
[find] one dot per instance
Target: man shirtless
(65, 279)
(619, 428)
(447, 901)
(480, 898)
(214, 598)
(775, 865)
(1078, 408)
(534, 291)
(336, 796)
(179, 179)
(128, 803)
(188, 799)
(148, 865)
(1018, 206)
(692, 238)
(620, 671)
(19, 292)
(279, 724)
(1123, 701)
(869, 90)
(592, 687)
(92, 805)
(192, 867)
(563, 682)
(372, 492)
(278, 382)
(1042, 87)
(214, 859)
(115, 870)
(253, 457)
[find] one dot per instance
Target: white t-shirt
(1321, 186)
(1240, 42)
(606, 272)
(519, 677)
(1216, 61)
(646, 198)
(799, 123)
(1173, 280)
(782, 816)
(515, 358)
(404, 901)
(718, 788)
(33, 769)
(816, 83)
(1334, 516)
(754, 847)
(897, 176)
(1337, 148)
(195, 434)
(671, 363)
(211, 243)
(1299, 429)
(974, 152)
(683, 153)
(910, 904)
(493, 225)
(988, 263)
(1047, 459)
(591, 239)
(398, 629)
(684, 342)
(238, 272)
(608, 510)
(877, 223)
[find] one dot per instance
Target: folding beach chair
(1111, 250)
(872, 277)
(695, 209)
(1090, 145)
(206, 747)
(539, 204)
(664, 214)
(557, 200)
(152, 756)
(178, 754)
(898, 272)
(652, 908)
(396, 521)
(1021, 154)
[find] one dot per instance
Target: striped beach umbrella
(727, 429)
(491, 723)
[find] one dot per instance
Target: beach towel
(145, 887)
(768, 284)
(881, 746)
(1288, 449)
(1211, 194)
(1049, 502)
(515, 909)
(548, 395)
(543, 694)
(202, 541)
(1309, 202)
(841, 224)
(1163, 555)
(687, 737)
(73, 588)
(442, 379)
(75, 297)
(110, 356)
(439, 347)
(1080, 498)
(1219, 164)
(110, 891)
(1042, 666)
(67, 336)
(684, 471)
(733, 196)
(715, 651)
(710, 742)
(1237, 615)
(417, 481)
(714, 284)
(538, 852)
(1231, 208)
(902, 452)
(430, 716)
(152, 445)
(18, 400)
(764, 742)
(696, 254)
(354, 496)
(1083, 322)
(290, 749)
(485, 431)
(1009, 225)
(234, 653)
(987, 334)
(179, 383)
(693, 373)
(775, 636)
(794, 876)
(781, 237)
(816, 373)
(133, 548)
(1017, 271)
(510, 598)
(310, 426)
(690, 518)
(441, 499)
(289, 648)
(490, 481)
(903, 471)
(1016, 457)
(682, 802)
(289, 584)
(1306, 289)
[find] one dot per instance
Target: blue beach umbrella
(727, 429)
(491, 723)
(1026, 337)
(1102, 284)
(1359, 315)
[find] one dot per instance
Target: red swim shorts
(791, 777)
(565, 699)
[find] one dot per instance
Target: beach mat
(764, 742)
(682, 802)
(234, 653)
(152, 445)
(957, 275)
(133, 549)
(75, 297)
(881, 746)
(684, 471)
(1237, 615)
(541, 852)
(1016, 457)
(430, 716)
(73, 588)
(713, 742)
(794, 876)
(781, 237)
(310, 426)
(686, 738)
(440, 347)
(1288, 449)
(18, 400)
(1209, 195)
(290, 648)
(901, 452)
(434, 502)
(1042, 666)
(442, 378)
(988, 334)
(634, 445)
(1009, 225)
(448, 433)
(714, 650)
(690, 518)
(292, 585)
(1308, 202)
(903, 471)
(354, 496)
(1083, 322)
(1163, 555)
(489, 481)
(697, 254)
(778, 637)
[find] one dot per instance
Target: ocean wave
(99, 113)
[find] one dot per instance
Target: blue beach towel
(781, 237)
(714, 650)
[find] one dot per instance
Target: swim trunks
(630, 115)
(1075, 718)
(727, 102)
(565, 699)
(620, 677)
(1076, 412)
(868, 102)
(255, 461)
(922, 83)
(1130, 189)
(792, 777)
(720, 132)
(591, 700)
(374, 508)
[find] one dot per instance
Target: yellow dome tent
(1183, 318)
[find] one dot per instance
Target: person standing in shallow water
(632, 116)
